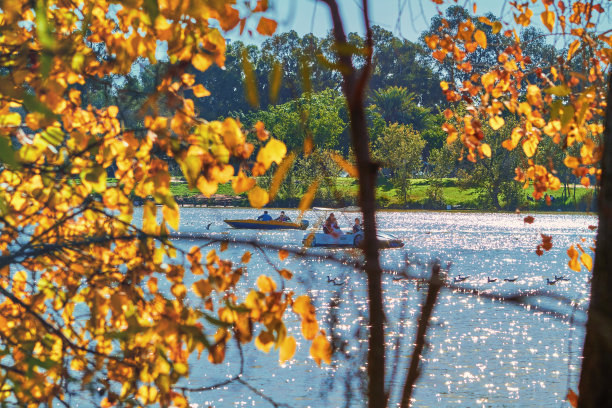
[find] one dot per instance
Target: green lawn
(467, 198)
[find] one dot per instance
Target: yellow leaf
(481, 38)
(258, 197)
(266, 26)
(147, 394)
(572, 49)
(302, 306)
(529, 146)
(548, 19)
(273, 152)
(199, 91)
(266, 284)
(496, 122)
(287, 349)
(201, 61)
(321, 350)
(485, 149)
(10, 119)
(179, 290)
(497, 26)
(232, 135)
(242, 183)
(587, 261)
(171, 215)
(206, 187)
(280, 174)
(345, 165)
(250, 80)
(309, 196)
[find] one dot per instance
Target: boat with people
(332, 236)
(266, 222)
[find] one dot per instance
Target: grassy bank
(343, 191)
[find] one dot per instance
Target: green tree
(399, 149)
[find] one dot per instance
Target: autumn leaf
(481, 38)
(528, 220)
(287, 349)
(199, 91)
(246, 257)
(572, 397)
(266, 284)
(266, 26)
(548, 19)
(321, 350)
(262, 133)
(496, 122)
(573, 263)
(258, 197)
(283, 254)
(273, 152)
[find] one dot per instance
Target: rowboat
(267, 225)
(348, 239)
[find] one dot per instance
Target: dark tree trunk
(595, 388)
(354, 83)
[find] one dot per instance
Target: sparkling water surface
(479, 352)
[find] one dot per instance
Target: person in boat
(331, 225)
(264, 217)
(357, 226)
(282, 217)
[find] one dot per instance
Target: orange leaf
(283, 254)
(572, 397)
(497, 26)
(309, 196)
(585, 181)
(321, 350)
(572, 49)
(262, 133)
(345, 165)
(587, 261)
(548, 18)
(481, 38)
(246, 257)
(199, 91)
(201, 62)
(285, 274)
(266, 26)
(432, 41)
(242, 183)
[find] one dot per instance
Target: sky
(404, 18)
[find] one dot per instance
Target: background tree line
(299, 99)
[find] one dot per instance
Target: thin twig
(413, 372)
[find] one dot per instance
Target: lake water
(480, 352)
